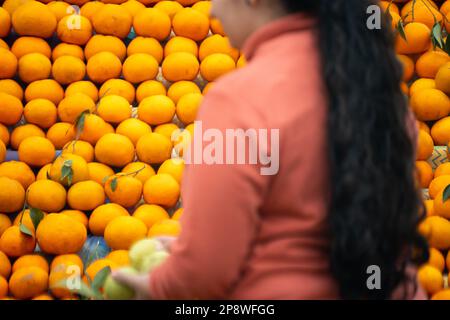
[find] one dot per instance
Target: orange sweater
(246, 235)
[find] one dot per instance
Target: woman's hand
(139, 283)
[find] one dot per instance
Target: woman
(344, 198)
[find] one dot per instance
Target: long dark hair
(375, 205)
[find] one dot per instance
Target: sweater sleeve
(220, 221)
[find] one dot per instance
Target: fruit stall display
(97, 103)
(97, 100)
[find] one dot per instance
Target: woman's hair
(375, 205)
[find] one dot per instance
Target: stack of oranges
(91, 94)
(426, 79)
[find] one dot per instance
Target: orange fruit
(5, 23)
(60, 9)
(426, 14)
(11, 87)
(191, 24)
(60, 134)
(114, 150)
(114, 109)
(442, 169)
(77, 215)
(242, 62)
(99, 171)
(68, 69)
(12, 195)
(103, 66)
(180, 66)
(123, 231)
(156, 110)
(174, 167)
(36, 151)
(74, 29)
(3, 287)
(150, 214)
(188, 106)
(111, 19)
(182, 139)
(149, 46)
(20, 133)
(441, 208)
(120, 257)
(4, 134)
(437, 231)
(133, 7)
(3, 44)
(150, 88)
(417, 39)
(171, 228)
(5, 223)
(410, 5)
(28, 282)
(181, 44)
(425, 146)
(34, 19)
(16, 244)
(118, 87)
(84, 87)
(41, 112)
(180, 88)
(436, 259)
(152, 23)
(447, 260)
(437, 184)
(85, 195)
(441, 295)
(11, 109)
(445, 8)
(100, 43)
(2, 151)
(171, 8)
(440, 132)
(216, 65)
(126, 192)
(203, 7)
(140, 67)
(19, 171)
(45, 89)
(97, 266)
(133, 129)
(167, 130)
(430, 279)
(78, 169)
(139, 170)
(104, 214)
(70, 108)
(94, 128)
(429, 207)
(33, 67)
(408, 67)
(68, 260)
(153, 148)
(8, 67)
(24, 218)
(43, 172)
(26, 45)
(59, 275)
(430, 62)
(218, 44)
(421, 84)
(207, 88)
(60, 234)
(177, 214)
(46, 195)
(30, 260)
(65, 49)
(90, 8)
(5, 265)
(442, 79)
(430, 104)
(162, 189)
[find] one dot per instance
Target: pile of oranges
(91, 95)
(426, 77)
